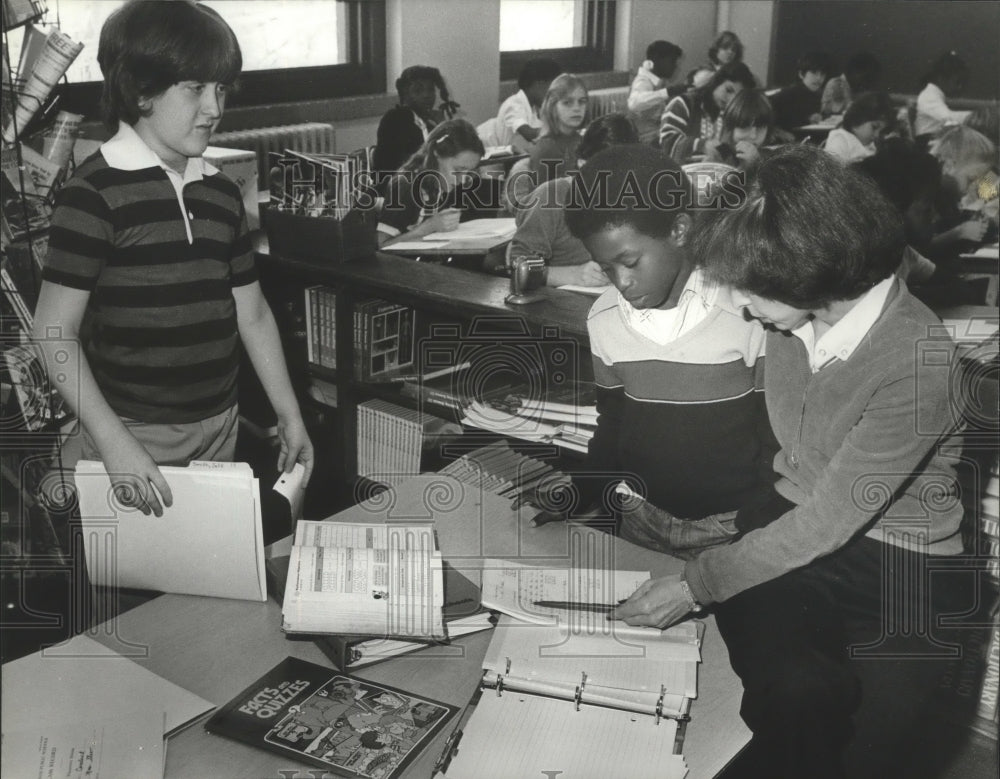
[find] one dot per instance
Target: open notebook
(209, 542)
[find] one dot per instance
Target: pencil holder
(323, 240)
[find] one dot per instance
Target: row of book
(318, 184)
(383, 334)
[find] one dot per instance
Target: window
(578, 34)
(293, 50)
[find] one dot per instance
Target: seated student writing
(405, 127)
(649, 91)
(563, 114)
(747, 129)
(149, 246)
(518, 121)
(421, 198)
(863, 122)
(799, 104)
(692, 123)
(861, 74)
(541, 225)
(680, 420)
(859, 390)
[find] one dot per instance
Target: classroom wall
(752, 20)
(905, 36)
(688, 23)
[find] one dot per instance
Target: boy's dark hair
(902, 172)
(817, 61)
(812, 231)
(538, 70)
(862, 71)
(868, 107)
(609, 130)
(737, 72)
(948, 67)
(416, 74)
(726, 40)
(631, 184)
(660, 49)
(147, 46)
(448, 139)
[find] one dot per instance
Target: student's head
(564, 109)
(727, 48)
(418, 87)
(629, 207)
(535, 78)
(168, 65)
(965, 155)
(748, 117)
(911, 179)
(453, 149)
(664, 56)
(608, 130)
(949, 72)
(811, 232)
(813, 68)
(725, 83)
(862, 71)
(867, 116)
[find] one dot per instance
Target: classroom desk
(215, 648)
(466, 253)
(984, 262)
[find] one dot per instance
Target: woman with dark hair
(815, 596)
(691, 123)
(725, 50)
(404, 127)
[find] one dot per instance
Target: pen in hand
(570, 605)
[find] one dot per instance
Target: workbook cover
(348, 726)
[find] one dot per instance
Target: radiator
(607, 101)
(307, 137)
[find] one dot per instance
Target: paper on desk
(76, 680)
(209, 542)
(289, 486)
(413, 246)
(503, 227)
(988, 251)
(596, 291)
(127, 745)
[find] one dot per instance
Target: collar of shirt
(662, 326)
(840, 341)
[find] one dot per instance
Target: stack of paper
(477, 229)
(209, 542)
(81, 710)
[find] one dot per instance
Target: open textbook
(209, 542)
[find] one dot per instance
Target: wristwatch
(686, 589)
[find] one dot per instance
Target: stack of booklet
(562, 682)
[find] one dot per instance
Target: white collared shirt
(662, 326)
(516, 111)
(128, 151)
(933, 113)
(840, 341)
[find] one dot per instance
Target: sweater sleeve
(537, 225)
(642, 96)
(881, 455)
(676, 138)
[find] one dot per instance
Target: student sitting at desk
(167, 286)
(649, 92)
(860, 75)
(946, 78)
(799, 103)
(863, 123)
(421, 198)
(563, 113)
(403, 129)
(859, 390)
(692, 122)
(517, 122)
(541, 224)
(747, 129)
(682, 433)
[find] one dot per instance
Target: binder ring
(499, 686)
(577, 697)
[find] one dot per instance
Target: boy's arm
(58, 316)
(263, 345)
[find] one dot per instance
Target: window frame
(363, 74)
(597, 53)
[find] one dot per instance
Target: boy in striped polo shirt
(682, 439)
(150, 266)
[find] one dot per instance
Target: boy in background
(650, 89)
(682, 436)
(150, 266)
(518, 121)
(800, 103)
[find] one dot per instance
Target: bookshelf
(460, 314)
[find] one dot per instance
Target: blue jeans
(644, 524)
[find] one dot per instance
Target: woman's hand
(442, 222)
(657, 603)
(136, 481)
(295, 447)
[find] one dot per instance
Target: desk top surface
(446, 290)
(215, 648)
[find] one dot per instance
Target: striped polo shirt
(160, 259)
(681, 420)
